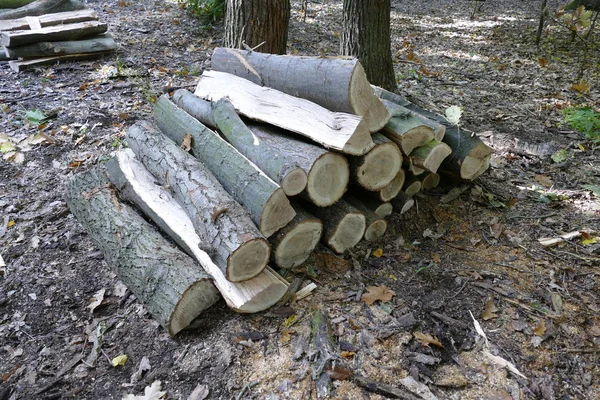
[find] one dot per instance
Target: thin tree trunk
(366, 35)
(252, 22)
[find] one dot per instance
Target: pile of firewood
(304, 150)
(45, 39)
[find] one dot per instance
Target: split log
(67, 17)
(395, 186)
(470, 156)
(272, 150)
(343, 225)
(412, 185)
(430, 181)
(264, 199)
(376, 225)
(402, 203)
(376, 169)
(73, 31)
(172, 287)
(430, 156)
(136, 184)
(346, 133)
(41, 7)
(19, 66)
(225, 229)
(337, 84)
(405, 129)
(102, 43)
(294, 243)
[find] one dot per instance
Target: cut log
(376, 169)
(67, 17)
(102, 43)
(412, 185)
(3, 56)
(395, 186)
(402, 203)
(225, 229)
(264, 199)
(405, 129)
(327, 172)
(172, 287)
(376, 225)
(41, 7)
(343, 225)
(136, 185)
(19, 66)
(294, 243)
(380, 208)
(334, 83)
(470, 156)
(52, 33)
(430, 181)
(346, 133)
(430, 156)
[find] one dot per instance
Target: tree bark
(41, 7)
(169, 283)
(327, 172)
(66, 17)
(374, 204)
(470, 156)
(402, 203)
(136, 185)
(429, 156)
(225, 229)
(412, 185)
(19, 66)
(343, 225)
(102, 43)
(406, 129)
(376, 169)
(72, 31)
(430, 181)
(334, 83)
(263, 198)
(252, 22)
(294, 243)
(346, 133)
(376, 225)
(366, 35)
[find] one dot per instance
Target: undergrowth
(206, 11)
(585, 120)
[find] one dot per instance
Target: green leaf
(6, 147)
(35, 117)
(560, 156)
(594, 188)
(453, 114)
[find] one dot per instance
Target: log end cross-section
(327, 179)
(364, 102)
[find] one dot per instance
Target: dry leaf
(286, 336)
(581, 87)
(119, 360)
(595, 331)
(501, 361)
(186, 144)
(340, 373)
(331, 263)
(374, 293)
(490, 310)
(544, 180)
(378, 253)
(426, 339)
(347, 354)
(152, 392)
(436, 258)
(96, 300)
(540, 328)
(542, 61)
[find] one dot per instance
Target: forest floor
(479, 254)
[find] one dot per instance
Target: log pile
(240, 175)
(28, 38)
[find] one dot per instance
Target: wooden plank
(61, 18)
(52, 33)
(41, 7)
(102, 43)
(19, 66)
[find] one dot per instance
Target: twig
(245, 388)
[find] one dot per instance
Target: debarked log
(72, 31)
(172, 287)
(60, 18)
(260, 195)
(224, 227)
(101, 43)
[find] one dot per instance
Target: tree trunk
(327, 172)
(52, 33)
(263, 198)
(366, 35)
(67, 17)
(137, 185)
(294, 243)
(41, 7)
(376, 169)
(172, 287)
(252, 22)
(225, 229)
(102, 43)
(346, 133)
(335, 83)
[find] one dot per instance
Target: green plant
(206, 11)
(585, 120)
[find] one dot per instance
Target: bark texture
(225, 229)
(430, 156)
(366, 35)
(102, 43)
(252, 22)
(263, 198)
(406, 129)
(169, 283)
(470, 157)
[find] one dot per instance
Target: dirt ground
(479, 253)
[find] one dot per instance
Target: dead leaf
(96, 300)
(286, 335)
(581, 87)
(200, 393)
(152, 392)
(340, 373)
(426, 339)
(435, 257)
(490, 310)
(374, 293)
(557, 302)
(544, 180)
(119, 361)
(378, 253)
(347, 354)
(502, 362)
(542, 61)
(540, 328)
(331, 263)
(186, 144)
(143, 367)
(595, 330)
